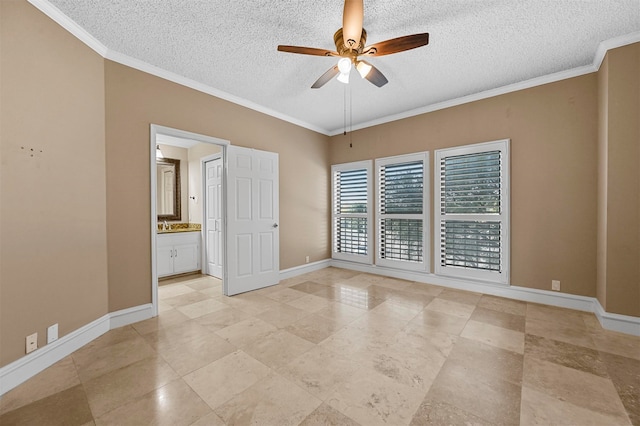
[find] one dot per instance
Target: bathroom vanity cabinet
(178, 253)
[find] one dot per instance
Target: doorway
(192, 148)
(249, 207)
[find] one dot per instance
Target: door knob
(275, 225)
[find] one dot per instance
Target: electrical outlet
(555, 285)
(306, 259)
(32, 343)
(52, 333)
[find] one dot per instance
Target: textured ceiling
(475, 46)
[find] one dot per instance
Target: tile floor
(344, 348)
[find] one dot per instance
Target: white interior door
(213, 170)
(253, 237)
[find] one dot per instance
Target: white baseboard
(304, 269)
(130, 315)
(11, 375)
(19, 371)
(610, 321)
(616, 322)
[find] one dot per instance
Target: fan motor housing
(344, 51)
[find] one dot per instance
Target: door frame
(203, 177)
(155, 130)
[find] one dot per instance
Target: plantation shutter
(472, 216)
(351, 211)
(401, 212)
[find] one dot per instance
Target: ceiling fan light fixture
(344, 65)
(363, 68)
(343, 78)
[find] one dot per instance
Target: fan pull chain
(345, 110)
(350, 118)
(350, 114)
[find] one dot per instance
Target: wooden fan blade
(375, 76)
(324, 78)
(307, 50)
(396, 45)
(352, 19)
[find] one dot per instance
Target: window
(472, 211)
(402, 185)
(351, 211)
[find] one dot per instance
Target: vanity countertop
(175, 231)
(175, 228)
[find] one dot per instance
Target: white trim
(304, 269)
(130, 315)
(610, 321)
(602, 49)
(81, 34)
(21, 370)
(153, 131)
(70, 25)
(76, 30)
(616, 322)
(522, 85)
(192, 84)
(613, 43)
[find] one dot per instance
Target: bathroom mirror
(168, 190)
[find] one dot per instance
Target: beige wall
(553, 132)
(53, 249)
(181, 154)
(619, 189)
(196, 153)
(134, 100)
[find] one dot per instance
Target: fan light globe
(344, 65)
(343, 78)
(363, 68)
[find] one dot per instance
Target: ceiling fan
(350, 45)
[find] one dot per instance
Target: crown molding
(70, 25)
(192, 84)
(601, 51)
(613, 43)
(81, 34)
(67, 23)
(527, 84)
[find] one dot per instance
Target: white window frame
(351, 257)
(504, 215)
(426, 253)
